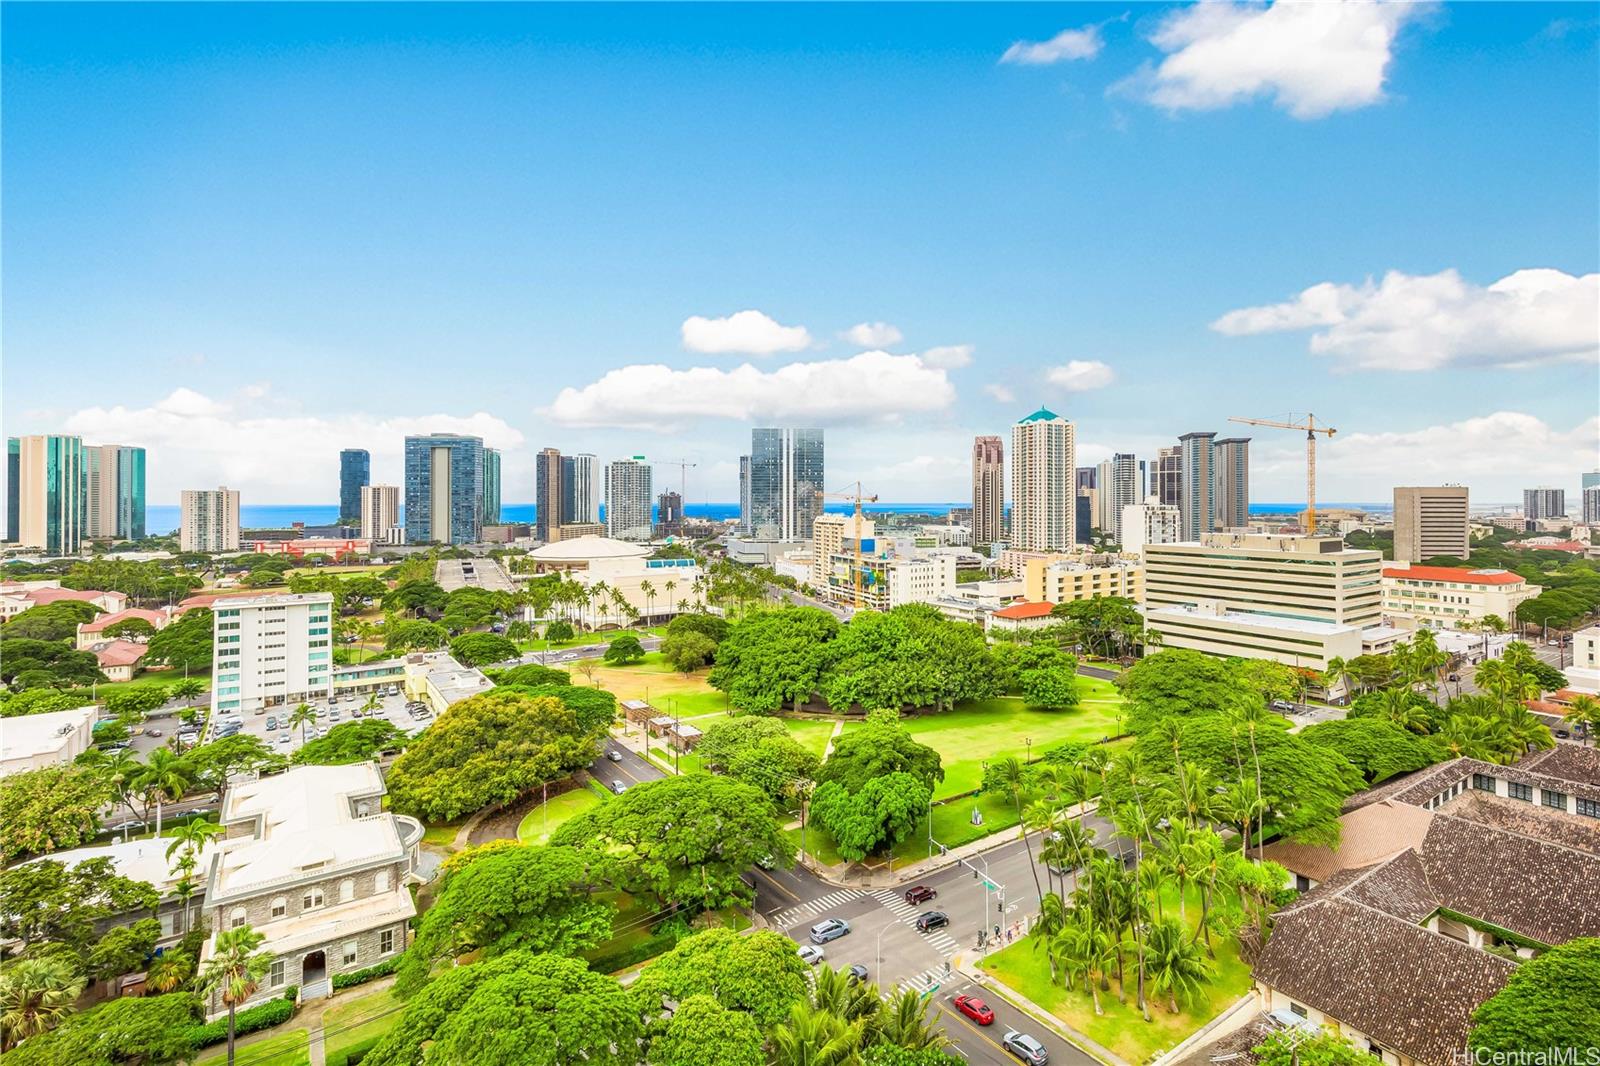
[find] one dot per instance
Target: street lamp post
(878, 950)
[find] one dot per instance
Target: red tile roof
(43, 596)
(1020, 611)
(1453, 573)
(119, 653)
(155, 618)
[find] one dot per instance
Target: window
(347, 890)
(1297, 1009)
(386, 942)
(276, 974)
(312, 899)
(1483, 782)
(348, 952)
(1558, 800)
(380, 881)
(169, 923)
(1519, 792)
(237, 918)
(280, 907)
(1589, 808)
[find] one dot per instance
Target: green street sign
(990, 885)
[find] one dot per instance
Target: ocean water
(164, 518)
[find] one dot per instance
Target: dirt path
(502, 824)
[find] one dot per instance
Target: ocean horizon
(161, 519)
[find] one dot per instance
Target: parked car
(976, 1009)
(272, 724)
(1282, 705)
(810, 954)
(152, 732)
(618, 787)
(858, 974)
(285, 738)
(1025, 1048)
(768, 862)
(829, 929)
(931, 921)
(1455, 677)
(335, 717)
(1562, 733)
(920, 894)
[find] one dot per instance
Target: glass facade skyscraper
(491, 487)
(1197, 506)
(786, 486)
(355, 472)
(51, 501)
(444, 489)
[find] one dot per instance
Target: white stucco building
(271, 650)
(33, 741)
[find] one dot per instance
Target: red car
(920, 894)
(976, 1009)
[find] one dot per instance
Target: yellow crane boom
(1309, 518)
(857, 498)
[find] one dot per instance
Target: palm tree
(904, 1023)
(1196, 794)
(302, 716)
(1527, 732)
(1478, 737)
(164, 776)
(1089, 951)
(191, 839)
(1177, 966)
(35, 994)
(1011, 777)
(234, 971)
(372, 703)
(170, 971)
(672, 603)
(1205, 858)
(813, 1037)
(121, 768)
(1174, 858)
(1584, 713)
(649, 589)
(186, 687)
(1401, 708)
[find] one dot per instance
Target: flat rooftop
(28, 735)
(1260, 621)
(274, 599)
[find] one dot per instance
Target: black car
(858, 974)
(920, 894)
(932, 920)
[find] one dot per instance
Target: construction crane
(1309, 518)
(857, 498)
(683, 466)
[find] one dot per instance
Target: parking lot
(272, 725)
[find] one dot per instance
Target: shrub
(352, 1055)
(249, 1020)
(361, 977)
(663, 939)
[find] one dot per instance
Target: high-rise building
(1591, 504)
(114, 475)
(628, 499)
(13, 487)
(273, 650)
(1166, 476)
(52, 490)
(1230, 466)
(1197, 502)
(1150, 522)
(786, 471)
(355, 472)
(380, 512)
(1431, 521)
(582, 489)
(744, 494)
(1083, 528)
(1123, 490)
(1044, 497)
(669, 514)
(988, 490)
(1087, 477)
(1103, 520)
(210, 520)
(547, 494)
(444, 489)
(1544, 502)
(490, 509)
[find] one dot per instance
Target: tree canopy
(758, 751)
(350, 742)
(481, 649)
(489, 748)
(1178, 683)
(1550, 1002)
(911, 656)
(51, 901)
(624, 649)
(702, 1032)
(759, 974)
(410, 634)
(775, 657)
(185, 644)
(685, 840)
(507, 899)
(532, 674)
(879, 746)
(1377, 747)
(50, 621)
(879, 814)
(51, 808)
(130, 1031)
(30, 663)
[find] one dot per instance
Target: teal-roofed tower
(1044, 493)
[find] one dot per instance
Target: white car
(285, 739)
(810, 954)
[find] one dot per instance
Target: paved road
(485, 573)
(573, 652)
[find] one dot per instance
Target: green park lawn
(1121, 1029)
(584, 639)
(287, 1048)
(687, 762)
(158, 679)
(810, 733)
(975, 733)
(545, 818)
(442, 834)
(353, 1021)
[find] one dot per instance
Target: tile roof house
(19, 597)
(1022, 616)
(118, 659)
(91, 632)
(1395, 952)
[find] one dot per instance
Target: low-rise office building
(1312, 577)
(1069, 578)
(311, 860)
(1298, 642)
(271, 650)
(1447, 596)
(435, 678)
(55, 738)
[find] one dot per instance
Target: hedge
(648, 948)
(371, 973)
(249, 1020)
(352, 1055)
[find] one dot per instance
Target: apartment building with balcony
(1083, 576)
(271, 650)
(311, 860)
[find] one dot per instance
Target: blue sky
(247, 236)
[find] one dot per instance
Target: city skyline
(1145, 251)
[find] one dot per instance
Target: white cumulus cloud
(1423, 322)
(871, 386)
(949, 356)
(1080, 375)
(1082, 43)
(196, 441)
(1309, 58)
(873, 334)
(744, 332)
(1000, 393)
(1494, 455)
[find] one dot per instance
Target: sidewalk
(1000, 990)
